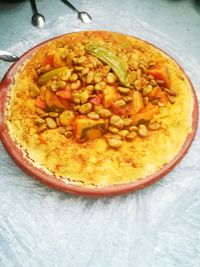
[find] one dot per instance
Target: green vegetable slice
(43, 79)
(118, 65)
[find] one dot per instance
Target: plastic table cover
(157, 226)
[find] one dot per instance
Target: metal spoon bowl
(38, 19)
(82, 15)
(7, 56)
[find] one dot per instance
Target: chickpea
(85, 108)
(44, 115)
(69, 58)
(154, 126)
(89, 89)
(58, 121)
(100, 86)
(61, 84)
(85, 71)
(111, 78)
(90, 65)
(39, 121)
(113, 130)
(78, 68)
(74, 77)
(81, 60)
(120, 103)
(131, 136)
(76, 107)
(64, 54)
(90, 77)
(123, 133)
(132, 76)
(98, 77)
(76, 98)
(133, 128)
(153, 82)
(147, 90)
(143, 66)
(66, 75)
(117, 121)
(44, 69)
(34, 91)
(39, 111)
(128, 122)
(172, 99)
(84, 97)
(123, 90)
(76, 85)
(53, 114)
(114, 143)
(54, 86)
(94, 62)
(61, 130)
(113, 136)
(68, 134)
(104, 113)
(138, 84)
(51, 123)
(93, 115)
(106, 69)
(142, 130)
(170, 92)
(127, 98)
(66, 117)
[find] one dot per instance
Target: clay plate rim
(39, 174)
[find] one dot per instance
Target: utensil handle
(34, 7)
(70, 5)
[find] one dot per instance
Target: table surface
(158, 226)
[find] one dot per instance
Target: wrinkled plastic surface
(158, 226)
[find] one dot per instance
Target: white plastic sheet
(158, 226)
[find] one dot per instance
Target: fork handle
(70, 5)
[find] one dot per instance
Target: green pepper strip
(43, 79)
(118, 65)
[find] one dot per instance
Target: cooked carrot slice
(48, 60)
(137, 103)
(66, 93)
(160, 72)
(145, 114)
(40, 103)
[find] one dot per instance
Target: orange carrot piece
(160, 72)
(66, 93)
(48, 61)
(39, 103)
(145, 114)
(156, 90)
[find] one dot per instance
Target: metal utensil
(82, 15)
(38, 19)
(7, 56)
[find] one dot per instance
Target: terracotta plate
(51, 181)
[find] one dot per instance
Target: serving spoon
(7, 56)
(38, 19)
(82, 15)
